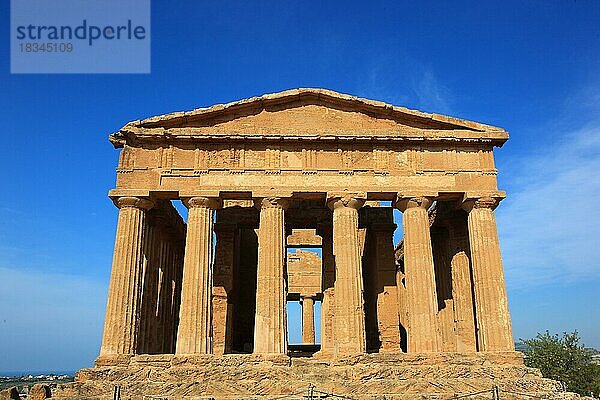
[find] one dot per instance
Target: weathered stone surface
(9, 394)
(491, 304)
(308, 320)
(398, 376)
(39, 392)
(327, 282)
(304, 238)
(121, 326)
(392, 149)
(296, 168)
(421, 297)
(304, 272)
(194, 332)
(349, 305)
(379, 272)
(270, 333)
(222, 297)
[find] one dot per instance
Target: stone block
(39, 392)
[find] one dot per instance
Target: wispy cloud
(550, 224)
(405, 81)
(432, 95)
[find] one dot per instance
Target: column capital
(272, 202)
(202, 202)
(404, 203)
(133, 202)
(350, 200)
(481, 202)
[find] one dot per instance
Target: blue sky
(532, 68)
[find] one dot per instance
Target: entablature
(306, 140)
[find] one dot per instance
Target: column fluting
(122, 322)
(195, 315)
(350, 336)
(419, 276)
(494, 331)
(270, 327)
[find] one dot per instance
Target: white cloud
(549, 225)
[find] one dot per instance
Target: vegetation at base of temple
(565, 359)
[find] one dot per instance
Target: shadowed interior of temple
(309, 277)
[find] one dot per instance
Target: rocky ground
(30, 386)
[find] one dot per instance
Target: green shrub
(564, 359)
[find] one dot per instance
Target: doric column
(494, 332)
(146, 338)
(402, 305)
(308, 320)
(226, 250)
(327, 283)
(440, 242)
(121, 326)
(161, 307)
(462, 285)
(194, 333)
(350, 337)
(165, 290)
(386, 287)
(463, 304)
(270, 330)
(177, 285)
(421, 297)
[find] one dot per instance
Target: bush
(564, 359)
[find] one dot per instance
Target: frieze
(126, 159)
(376, 160)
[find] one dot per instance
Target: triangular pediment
(311, 112)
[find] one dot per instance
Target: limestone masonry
(198, 309)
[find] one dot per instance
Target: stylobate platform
(371, 376)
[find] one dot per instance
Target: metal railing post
(117, 392)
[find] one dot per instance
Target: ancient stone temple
(197, 308)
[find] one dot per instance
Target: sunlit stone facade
(314, 168)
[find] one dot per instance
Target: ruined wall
(304, 272)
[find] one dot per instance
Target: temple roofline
(431, 126)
